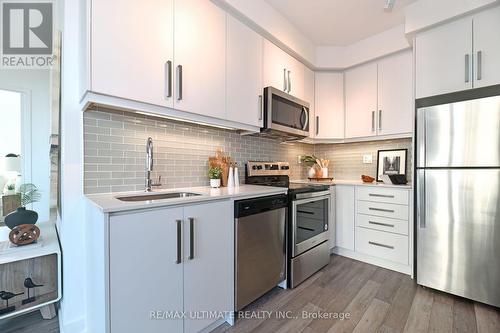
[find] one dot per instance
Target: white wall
(72, 314)
(37, 84)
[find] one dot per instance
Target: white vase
(230, 178)
(215, 183)
(236, 177)
(324, 172)
(311, 173)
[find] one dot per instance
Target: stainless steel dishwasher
(260, 246)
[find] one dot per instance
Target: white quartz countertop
(350, 182)
(108, 202)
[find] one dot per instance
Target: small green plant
(11, 187)
(309, 160)
(214, 173)
(29, 194)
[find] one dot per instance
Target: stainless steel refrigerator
(458, 198)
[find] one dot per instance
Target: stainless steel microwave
(285, 116)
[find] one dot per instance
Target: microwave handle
(304, 110)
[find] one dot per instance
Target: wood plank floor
(376, 299)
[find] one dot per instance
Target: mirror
(29, 137)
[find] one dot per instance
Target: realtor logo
(27, 34)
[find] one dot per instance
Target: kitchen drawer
(382, 209)
(383, 245)
(387, 195)
(382, 223)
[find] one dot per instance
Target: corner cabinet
(379, 98)
(329, 105)
(459, 55)
(177, 260)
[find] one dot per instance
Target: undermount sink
(157, 196)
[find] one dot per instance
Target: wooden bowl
(367, 179)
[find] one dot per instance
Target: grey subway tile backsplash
(115, 152)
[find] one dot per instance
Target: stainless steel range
(307, 221)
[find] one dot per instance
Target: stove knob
(255, 167)
(259, 167)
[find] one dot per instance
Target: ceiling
(340, 22)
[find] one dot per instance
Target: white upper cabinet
(361, 101)
(487, 48)
(395, 96)
(243, 74)
(329, 105)
(444, 59)
(282, 71)
(200, 59)
(130, 48)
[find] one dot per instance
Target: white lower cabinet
(180, 261)
(373, 224)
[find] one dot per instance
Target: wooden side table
(39, 262)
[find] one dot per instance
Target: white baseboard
(75, 326)
(394, 266)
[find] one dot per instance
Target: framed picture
(391, 162)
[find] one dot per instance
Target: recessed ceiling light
(388, 5)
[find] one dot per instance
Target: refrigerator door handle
(421, 198)
(421, 137)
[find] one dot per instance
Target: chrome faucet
(149, 166)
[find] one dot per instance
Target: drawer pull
(380, 195)
(382, 210)
(383, 224)
(381, 245)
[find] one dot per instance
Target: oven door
(285, 113)
(310, 213)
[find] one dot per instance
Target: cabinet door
(395, 106)
(297, 80)
(200, 48)
(444, 59)
(332, 225)
(329, 105)
(275, 62)
(244, 74)
(361, 101)
(130, 46)
(143, 275)
(209, 275)
(344, 217)
(487, 48)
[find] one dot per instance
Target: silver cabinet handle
(381, 245)
(178, 260)
(289, 83)
(373, 121)
(317, 125)
(382, 210)
(380, 195)
(179, 82)
(467, 66)
(382, 224)
(379, 120)
(191, 238)
(306, 114)
(285, 81)
(168, 79)
(260, 107)
(479, 65)
(421, 198)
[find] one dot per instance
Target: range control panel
(268, 168)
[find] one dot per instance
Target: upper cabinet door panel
(395, 107)
(361, 101)
(275, 63)
(244, 74)
(329, 105)
(444, 59)
(297, 78)
(130, 45)
(200, 47)
(487, 48)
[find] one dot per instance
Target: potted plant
(310, 161)
(9, 189)
(28, 194)
(214, 174)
